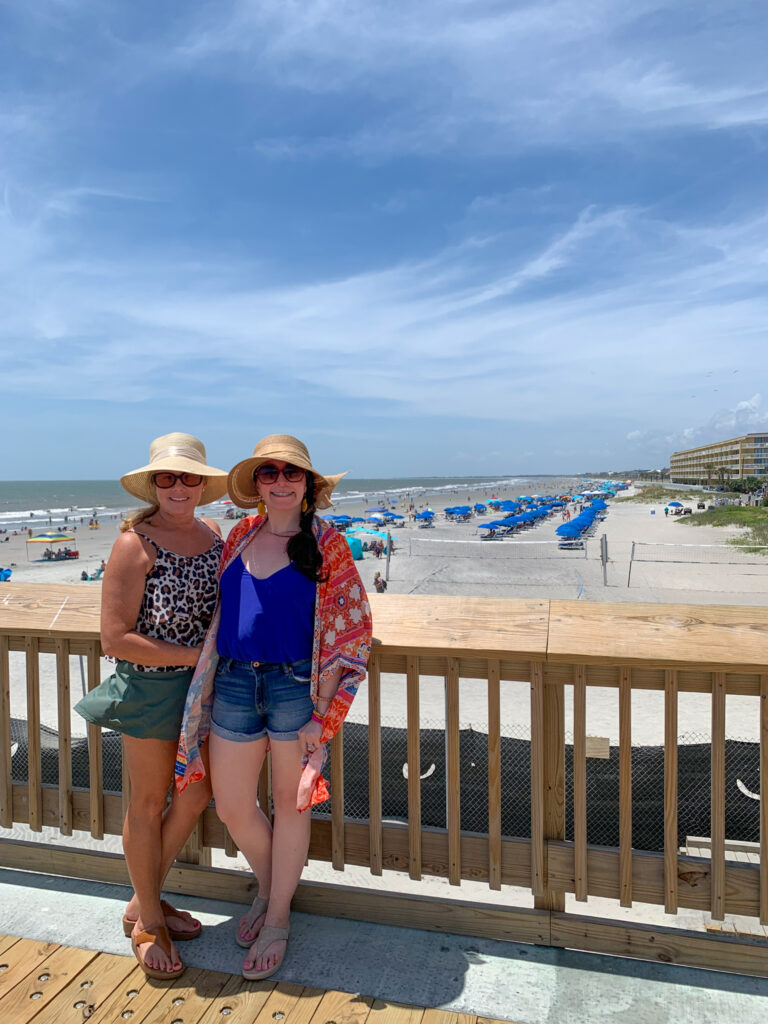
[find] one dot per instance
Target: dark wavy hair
(302, 547)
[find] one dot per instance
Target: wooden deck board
(43, 987)
(80, 984)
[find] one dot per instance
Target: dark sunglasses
(269, 474)
(166, 480)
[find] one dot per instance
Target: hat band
(187, 453)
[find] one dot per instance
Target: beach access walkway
(569, 928)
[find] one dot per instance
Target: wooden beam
(718, 796)
(374, 762)
(453, 771)
(742, 880)
(337, 800)
(34, 762)
(65, 736)
(414, 767)
(580, 782)
(661, 945)
(625, 786)
(670, 792)
(538, 871)
(95, 754)
(494, 775)
(764, 799)
(6, 790)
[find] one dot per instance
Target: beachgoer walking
(284, 656)
(158, 599)
(379, 583)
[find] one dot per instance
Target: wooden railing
(559, 649)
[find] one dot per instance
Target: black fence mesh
(742, 765)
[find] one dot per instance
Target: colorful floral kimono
(342, 637)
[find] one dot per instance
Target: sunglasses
(166, 480)
(269, 474)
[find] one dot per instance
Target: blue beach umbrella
(675, 504)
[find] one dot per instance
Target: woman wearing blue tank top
(158, 598)
(266, 695)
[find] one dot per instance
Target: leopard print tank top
(179, 597)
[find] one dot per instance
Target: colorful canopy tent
(49, 539)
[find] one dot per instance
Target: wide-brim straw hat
(176, 453)
(242, 488)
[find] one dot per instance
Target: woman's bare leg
(235, 769)
(290, 843)
(179, 819)
(150, 768)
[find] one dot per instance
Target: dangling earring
(304, 505)
(261, 508)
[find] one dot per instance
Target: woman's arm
(121, 596)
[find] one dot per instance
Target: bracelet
(317, 718)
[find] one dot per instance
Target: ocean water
(45, 503)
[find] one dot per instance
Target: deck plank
(238, 1002)
(23, 957)
(138, 995)
(447, 1017)
(384, 1012)
(289, 1004)
(91, 987)
(343, 1008)
(6, 941)
(188, 999)
(39, 992)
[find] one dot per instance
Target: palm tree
(710, 467)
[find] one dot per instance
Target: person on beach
(282, 661)
(159, 595)
(379, 583)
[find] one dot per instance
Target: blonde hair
(139, 516)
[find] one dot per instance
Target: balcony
(505, 790)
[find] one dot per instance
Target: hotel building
(740, 457)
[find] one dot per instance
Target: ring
(310, 746)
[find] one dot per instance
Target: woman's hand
(309, 737)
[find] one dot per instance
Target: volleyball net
(499, 549)
(753, 558)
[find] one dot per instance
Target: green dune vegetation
(657, 493)
(754, 520)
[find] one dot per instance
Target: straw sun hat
(242, 488)
(175, 453)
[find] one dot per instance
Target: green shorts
(146, 705)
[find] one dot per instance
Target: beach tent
(5, 575)
(50, 538)
(355, 546)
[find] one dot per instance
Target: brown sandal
(157, 933)
(176, 934)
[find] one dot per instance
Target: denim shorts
(251, 702)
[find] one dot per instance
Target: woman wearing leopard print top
(158, 598)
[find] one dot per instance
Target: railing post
(550, 734)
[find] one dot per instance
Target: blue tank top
(266, 620)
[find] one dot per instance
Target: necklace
(274, 533)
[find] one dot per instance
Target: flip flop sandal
(158, 934)
(267, 936)
(258, 907)
(177, 934)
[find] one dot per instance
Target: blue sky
(463, 236)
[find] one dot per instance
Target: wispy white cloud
(453, 71)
